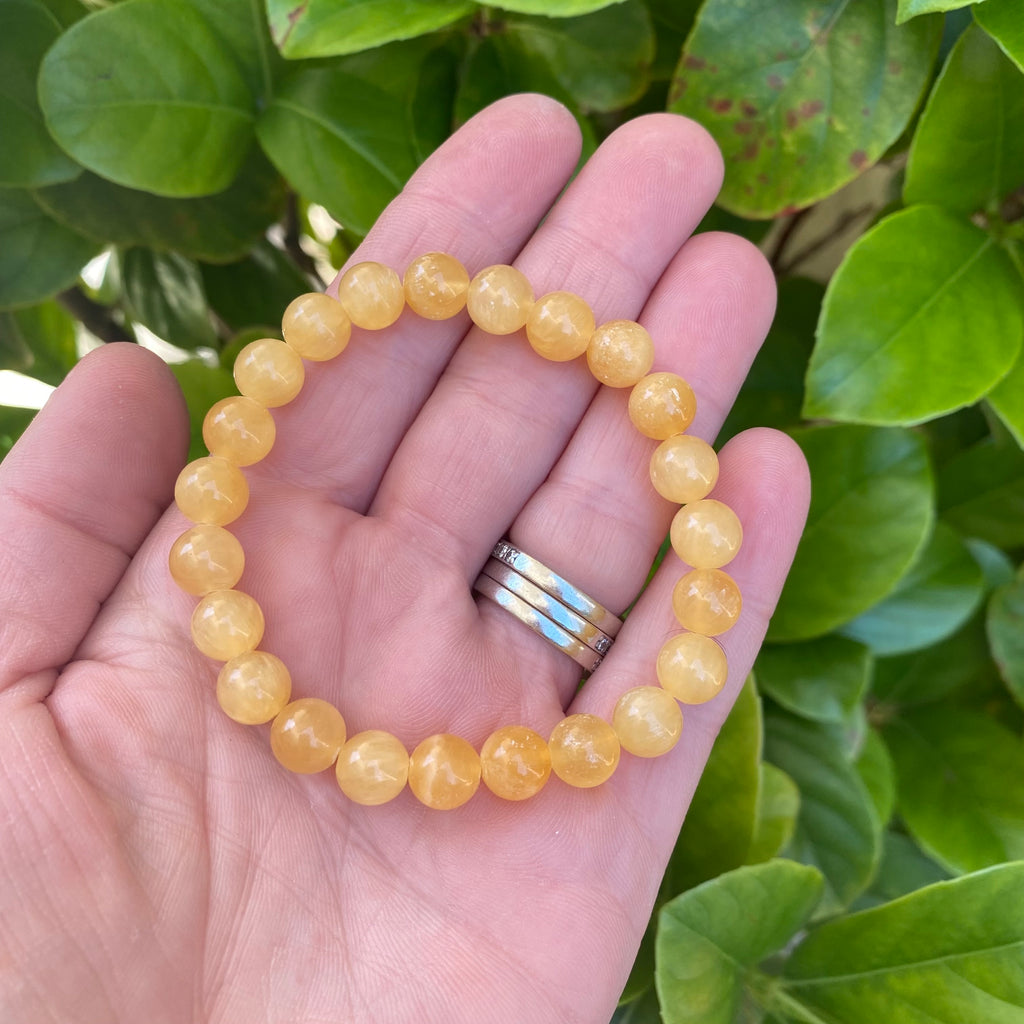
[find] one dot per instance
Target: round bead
(206, 558)
(559, 326)
(706, 534)
(372, 767)
(647, 721)
(372, 295)
(239, 430)
(515, 762)
(584, 750)
(692, 667)
(211, 490)
(436, 286)
(307, 734)
(684, 468)
(253, 687)
(316, 326)
(499, 300)
(269, 372)
(227, 623)
(662, 404)
(444, 771)
(620, 352)
(707, 601)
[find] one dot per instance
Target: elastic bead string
(444, 771)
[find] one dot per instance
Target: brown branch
(824, 239)
(775, 256)
(96, 318)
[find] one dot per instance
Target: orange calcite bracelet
(514, 763)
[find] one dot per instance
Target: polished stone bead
(211, 490)
(662, 404)
(515, 762)
(436, 286)
(684, 468)
(444, 771)
(692, 667)
(584, 750)
(707, 601)
(499, 300)
(706, 534)
(620, 352)
(253, 687)
(239, 430)
(559, 326)
(316, 326)
(307, 734)
(647, 721)
(269, 372)
(206, 558)
(372, 767)
(227, 623)
(372, 295)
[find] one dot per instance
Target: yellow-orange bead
(559, 326)
(206, 558)
(684, 468)
(211, 490)
(372, 767)
(444, 771)
(707, 601)
(436, 286)
(647, 721)
(372, 295)
(620, 352)
(227, 623)
(706, 534)
(239, 429)
(253, 687)
(269, 372)
(307, 734)
(515, 762)
(316, 326)
(662, 404)
(584, 750)
(692, 667)
(499, 300)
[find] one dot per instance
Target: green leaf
(801, 99)
(1002, 21)
(202, 385)
(859, 475)
(1005, 623)
(968, 149)
(28, 156)
(995, 564)
(720, 822)
(38, 256)
(904, 869)
(877, 772)
(555, 8)
(981, 493)
(709, 939)
(15, 348)
(1007, 399)
(822, 679)
(46, 334)
(943, 325)
(164, 291)
(778, 804)
(643, 1010)
(914, 8)
(837, 829)
(12, 425)
(340, 141)
(673, 20)
(950, 952)
(182, 132)
(243, 29)
(959, 778)
(325, 28)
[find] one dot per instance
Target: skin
(156, 862)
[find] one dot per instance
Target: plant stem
(96, 318)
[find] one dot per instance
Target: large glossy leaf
(28, 156)
(870, 514)
(981, 493)
(1006, 635)
(778, 804)
(959, 778)
(1002, 21)
(45, 334)
(672, 20)
(164, 291)
(1007, 397)
(182, 132)
(904, 868)
(555, 8)
(942, 327)
(908, 9)
(242, 27)
(711, 937)
(800, 98)
(875, 768)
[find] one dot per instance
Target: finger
(478, 197)
(501, 415)
(78, 494)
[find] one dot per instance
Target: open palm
(157, 863)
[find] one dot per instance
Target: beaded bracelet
(309, 735)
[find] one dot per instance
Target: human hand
(158, 863)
